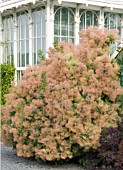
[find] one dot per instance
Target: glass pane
(43, 24)
(34, 50)
(34, 58)
(44, 45)
(57, 23)
(38, 44)
(23, 35)
(27, 52)
(95, 20)
(22, 30)
(107, 22)
(82, 21)
(57, 39)
(27, 58)
(22, 60)
(11, 35)
(113, 21)
(71, 29)
(22, 53)
(27, 31)
(64, 22)
(27, 46)
(64, 39)
(39, 21)
(38, 48)
(34, 29)
(8, 53)
(8, 37)
(18, 59)
(72, 40)
(119, 27)
(71, 24)
(38, 60)
(88, 19)
(11, 51)
(39, 31)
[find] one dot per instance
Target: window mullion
(25, 42)
(20, 42)
(85, 20)
(36, 39)
(68, 24)
(41, 28)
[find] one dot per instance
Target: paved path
(9, 161)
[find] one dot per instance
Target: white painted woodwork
(30, 37)
(77, 22)
(8, 7)
(15, 43)
(1, 39)
(51, 24)
(47, 25)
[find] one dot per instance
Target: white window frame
(22, 40)
(68, 37)
(84, 12)
(41, 37)
(8, 40)
(118, 17)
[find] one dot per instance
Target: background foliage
(119, 60)
(7, 75)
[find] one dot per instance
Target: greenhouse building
(27, 26)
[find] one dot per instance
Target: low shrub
(59, 108)
(7, 75)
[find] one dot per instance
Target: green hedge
(7, 75)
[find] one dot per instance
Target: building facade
(27, 26)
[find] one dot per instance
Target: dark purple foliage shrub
(111, 150)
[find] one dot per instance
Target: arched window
(88, 18)
(8, 39)
(113, 21)
(39, 33)
(23, 39)
(64, 24)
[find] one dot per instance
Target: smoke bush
(64, 103)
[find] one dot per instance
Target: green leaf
(12, 113)
(9, 122)
(20, 132)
